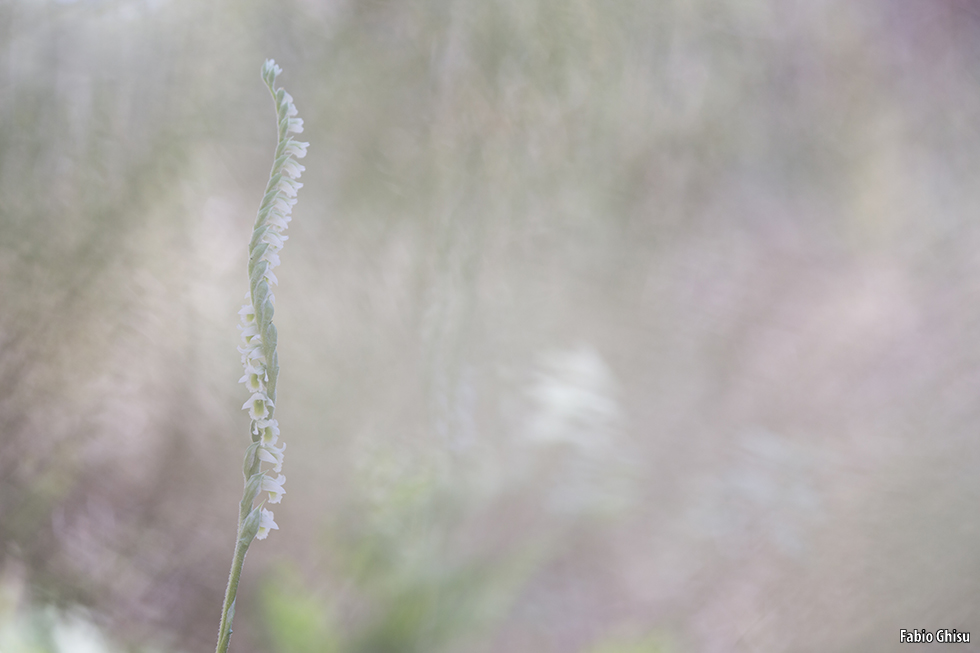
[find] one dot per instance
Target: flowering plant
(258, 349)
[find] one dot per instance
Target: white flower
(252, 353)
(252, 356)
(258, 406)
(287, 104)
(293, 169)
(270, 65)
(274, 239)
(269, 430)
(271, 257)
(284, 205)
(248, 314)
(295, 125)
(250, 331)
(295, 148)
(288, 187)
(279, 221)
(266, 524)
(270, 454)
(274, 488)
(255, 377)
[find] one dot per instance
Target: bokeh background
(612, 327)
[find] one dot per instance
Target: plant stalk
(228, 610)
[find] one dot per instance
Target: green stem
(228, 611)
(241, 547)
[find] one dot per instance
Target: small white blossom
(253, 382)
(255, 377)
(274, 239)
(252, 356)
(284, 205)
(251, 351)
(248, 314)
(270, 454)
(288, 187)
(287, 104)
(295, 125)
(258, 406)
(268, 429)
(270, 65)
(266, 524)
(274, 488)
(271, 257)
(293, 169)
(250, 331)
(296, 149)
(279, 221)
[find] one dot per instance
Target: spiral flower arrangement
(258, 348)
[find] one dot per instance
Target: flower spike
(259, 337)
(258, 333)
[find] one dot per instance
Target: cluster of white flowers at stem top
(258, 348)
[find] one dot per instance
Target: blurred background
(632, 327)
